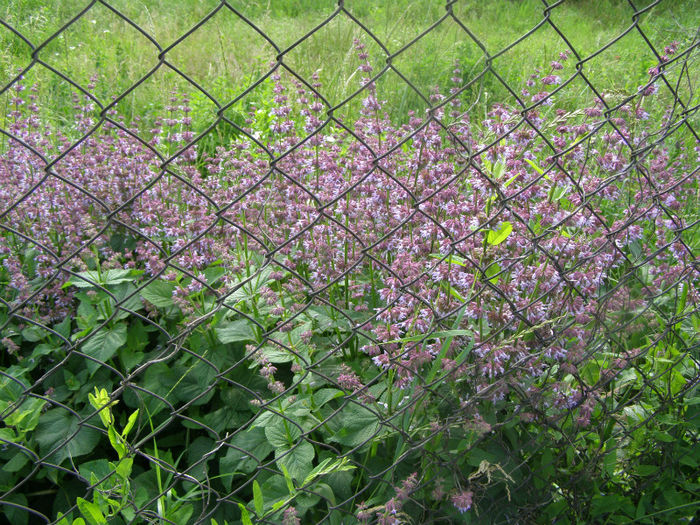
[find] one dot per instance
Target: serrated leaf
(104, 344)
(110, 277)
(235, 331)
(278, 436)
(298, 461)
(251, 449)
(354, 426)
(277, 355)
(324, 395)
(159, 293)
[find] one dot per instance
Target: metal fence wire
(296, 310)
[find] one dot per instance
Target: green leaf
(298, 461)
(16, 463)
(34, 333)
(450, 259)
(535, 166)
(646, 470)
(258, 498)
(159, 293)
(110, 277)
(130, 423)
(236, 331)
(16, 515)
(288, 480)
(214, 273)
(664, 437)
(251, 449)
(277, 355)
(245, 515)
(123, 469)
(91, 511)
(58, 425)
(328, 466)
(104, 344)
(278, 436)
(353, 426)
(115, 441)
(326, 492)
(99, 468)
(498, 169)
(495, 237)
(510, 181)
(324, 395)
(492, 271)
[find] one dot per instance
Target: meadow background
(208, 317)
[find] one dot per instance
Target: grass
(225, 55)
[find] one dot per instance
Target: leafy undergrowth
(354, 321)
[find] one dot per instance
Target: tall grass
(226, 55)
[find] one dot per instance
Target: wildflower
(290, 517)
(550, 80)
(462, 500)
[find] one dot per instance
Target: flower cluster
(516, 223)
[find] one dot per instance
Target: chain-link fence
(284, 306)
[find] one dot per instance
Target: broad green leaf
(235, 331)
(123, 469)
(353, 426)
(278, 436)
(159, 293)
(645, 470)
(298, 461)
(15, 515)
(214, 273)
(99, 468)
(277, 355)
(495, 237)
(34, 333)
(16, 463)
(104, 344)
(324, 395)
(110, 277)
(251, 449)
(179, 514)
(58, 425)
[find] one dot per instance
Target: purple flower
(462, 500)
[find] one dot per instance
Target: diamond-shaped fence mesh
(271, 300)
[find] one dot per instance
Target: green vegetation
(225, 56)
(355, 326)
